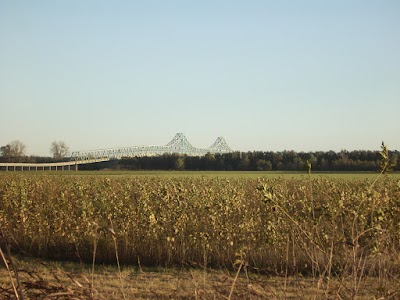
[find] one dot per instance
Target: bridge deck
(49, 166)
(179, 145)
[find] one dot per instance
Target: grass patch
(249, 235)
(44, 279)
(210, 174)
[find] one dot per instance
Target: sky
(266, 75)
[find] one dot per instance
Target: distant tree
(313, 160)
(244, 162)
(264, 165)
(324, 164)
(299, 163)
(59, 149)
(14, 149)
(209, 162)
(5, 151)
(394, 158)
(180, 163)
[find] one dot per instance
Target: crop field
(335, 235)
(212, 174)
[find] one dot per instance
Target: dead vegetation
(67, 281)
(276, 238)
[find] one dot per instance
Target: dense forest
(241, 161)
(263, 161)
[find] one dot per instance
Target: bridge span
(179, 145)
(60, 166)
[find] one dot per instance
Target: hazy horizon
(265, 75)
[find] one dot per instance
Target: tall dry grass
(331, 230)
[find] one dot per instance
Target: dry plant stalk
(234, 281)
(7, 262)
(111, 230)
(326, 227)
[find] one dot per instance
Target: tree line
(359, 160)
(263, 161)
(15, 151)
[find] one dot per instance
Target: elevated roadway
(60, 166)
(178, 145)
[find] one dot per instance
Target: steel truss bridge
(179, 145)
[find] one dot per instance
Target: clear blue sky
(266, 75)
